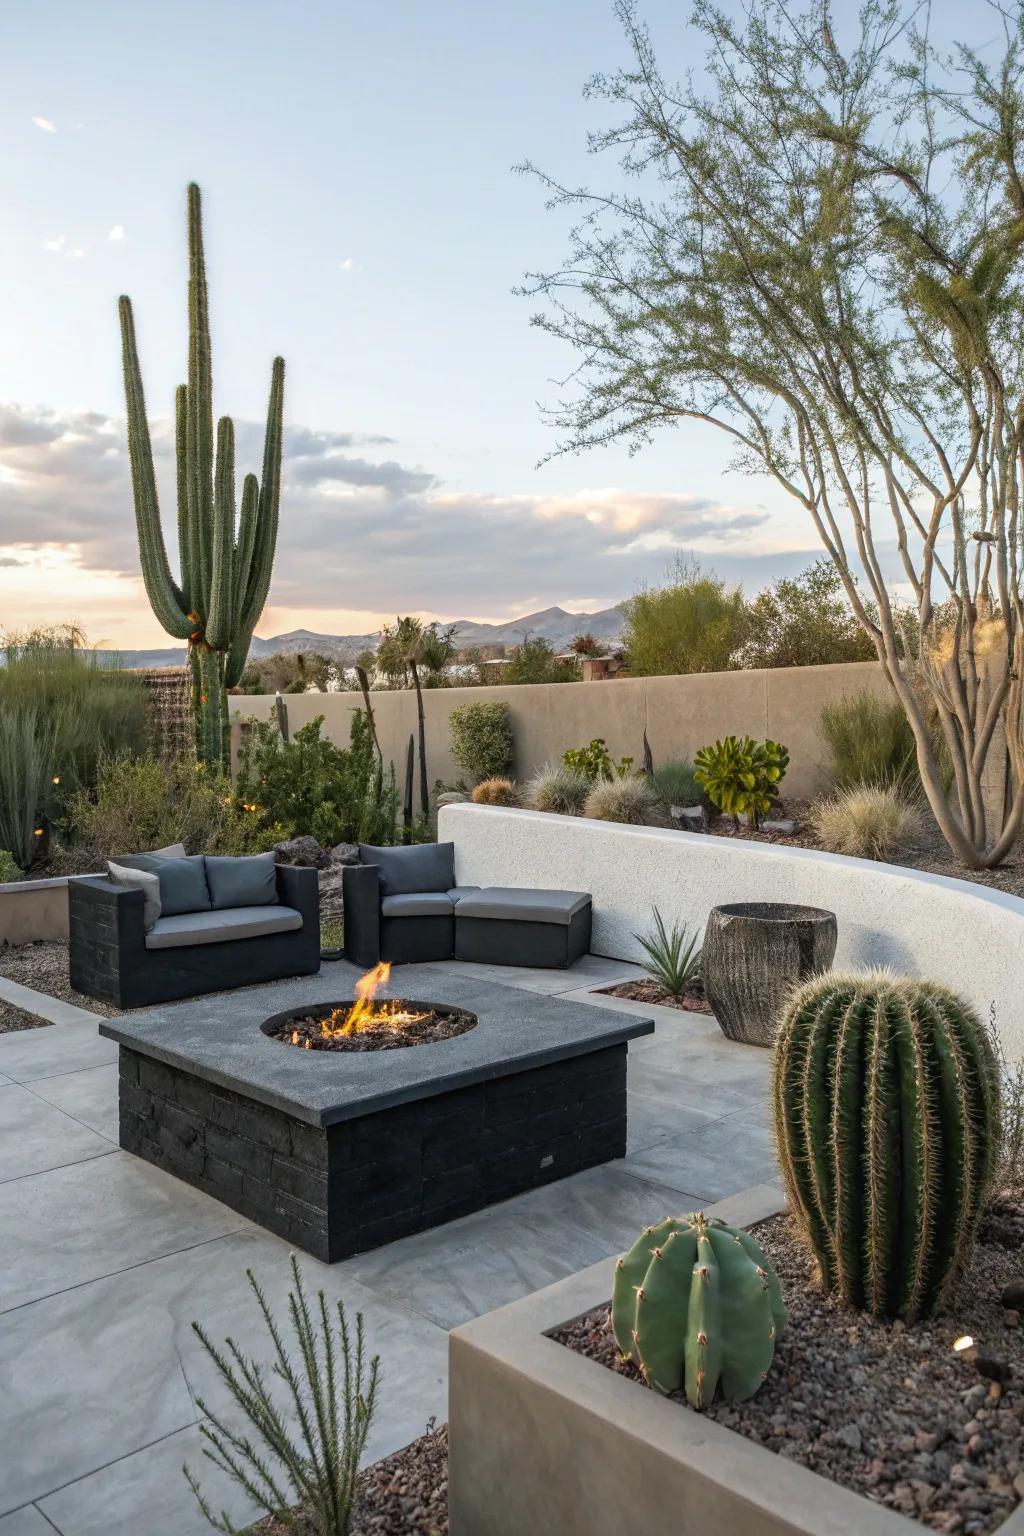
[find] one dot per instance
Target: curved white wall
(965, 935)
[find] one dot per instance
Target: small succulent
(695, 1304)
(741, 776)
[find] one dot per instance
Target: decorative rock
(451, 797)
(1012, 1296)
(304, 851)
(345, 853)
(691, 818)
(754, 953)
(850, 1436)
(1011, 1318)
(783, 826)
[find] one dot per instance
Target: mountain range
(556, 625)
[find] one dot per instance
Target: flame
(365, 1012)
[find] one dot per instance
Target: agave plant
(673, 956)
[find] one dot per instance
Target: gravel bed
(692, 1000)
(43, 966)
(406, 1494)
(889, 1411)
(12, 1018)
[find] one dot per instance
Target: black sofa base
(342, 1189)
(496, 941)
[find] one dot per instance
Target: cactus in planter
(887, 1120)
(696, 1304)
(225, 562)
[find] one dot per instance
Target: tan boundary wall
(680, 715)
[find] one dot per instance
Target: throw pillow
(408, 871)
(139, 880)
(242, 882)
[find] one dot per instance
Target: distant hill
(556, 625)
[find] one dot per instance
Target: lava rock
(1012, 1296)
(304, 851)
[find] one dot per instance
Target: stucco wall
(33, 909)
(967, 936)
(680, 715)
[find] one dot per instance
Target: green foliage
(887, 1123)
(496, 792)
(9, 870)
(314, 1466)
(481, 739)
(316, 788)
(676, 782)
(535, 662)
(803, 621)
(869, 741)
(289, 672)
(596, 762)
(225, 552)
(692, 624)
(740, 775)
(673, 958)
(867, 821)
(695, 1304)
(27, 759)
(559, 790)
(632, 800)
(140, 803)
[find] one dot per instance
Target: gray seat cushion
(418, 904)
(458, 891)
(187, 928)
(183, 886)
(524, 906)
(242, 882)
(409, 871)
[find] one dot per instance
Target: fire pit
(366, 1024)
(347, 1142)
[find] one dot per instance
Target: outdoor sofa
(162, 925)
(403, 904)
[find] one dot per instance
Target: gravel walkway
(886, 1410)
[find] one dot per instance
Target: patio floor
(107, 1261)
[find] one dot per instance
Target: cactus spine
(696, 1304)
(887, 1119)
(225, 563)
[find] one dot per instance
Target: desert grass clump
(866, 821)
(673, 956)
(497, 791)
(634, 801)
(307, 1476)
(557, 789)
(870, 741)
(886, 1095)
(676, 782)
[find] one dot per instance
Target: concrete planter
(546, 1441)
(754, 954)
(31, 910)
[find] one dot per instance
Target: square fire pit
(339, 1151)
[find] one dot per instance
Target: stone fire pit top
(219, 1039)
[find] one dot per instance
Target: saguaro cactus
(225, 560)
(886, 1096)
(695, 1303)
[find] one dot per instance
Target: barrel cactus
(696, 1304)
(886, 1097)
(225, 552)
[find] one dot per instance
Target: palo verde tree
(225, 559)
(817, 250)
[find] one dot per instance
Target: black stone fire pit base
(380, 1144)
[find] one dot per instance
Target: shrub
(868, 821)
(630, 800)
(887, 1123)
(314, 1465)
(742, 776)
(803, 621)
(1010, 1173)
(9, 870)
(692, 624)
(496, 792)
(141, 803)
(673, 959)
(481, 739)
(594, 761)
(560, 790)
(316, 788)
(870, 740)
(676, 783)
(535, 662)
(27, 761)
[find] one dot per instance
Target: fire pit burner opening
(365, 1023)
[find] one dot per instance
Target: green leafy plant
(887, 1123)
(741, 776)
(481, 739)
(673, 957)
(630, 800)
(496, 792)
(9, 870)
(676, 783)
(692, 623)
(226, 553)
(695, 1304)
(869, 821)
(559, 790)
(803, 621)
(535, 662)
(869, 740)
(308, 1477)
(594, 761)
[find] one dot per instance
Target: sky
(363, 219)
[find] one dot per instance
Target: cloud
(9, 561)
(45, 124)
(57, 243)
(349, 264)
(361, 531)
(117, 233)
(75, 254)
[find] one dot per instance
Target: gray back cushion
(183, 885)
(422, 867)
(242, 882)
(139, 880)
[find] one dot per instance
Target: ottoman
(501, 926)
